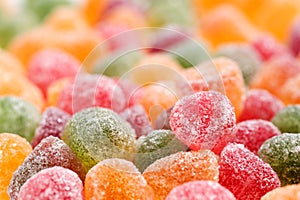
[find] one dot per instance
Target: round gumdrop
(95, 134)
(204, 190)
(253, 133)
(171, 171)
(18, 116)
(245, 174)
(52, 183)
(289, 192)
(48, 65)
(283, 154)
(260, 104)
(49, 153)
(14, 150)
(116, 179)
(288, 119)
(156, 145)
(52, 123)
(204, 120)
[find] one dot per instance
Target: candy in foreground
(204, 190)
(245, 174)
(95, 134)
(288, 119)
(283, 154)
(171, 171)
(116, 179)
(289, 192)
(55, 183)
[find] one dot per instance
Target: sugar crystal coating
(49, 153)
(288, 119)
(95, 134)
(245, 174)
(55, 183)
(289, 192)
(204, 120)
(156, 145)
(168, 172)
(204, 190)
(116, 179)
(283, 154)
(18, 116)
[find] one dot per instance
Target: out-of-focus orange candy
(9, 63)
(14, 150)
(93, 10)
(289, 192)
(55, 89)
(116, 179)
(226, 23)
(290, 91)
(16, 85)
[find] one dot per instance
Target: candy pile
(150, 100)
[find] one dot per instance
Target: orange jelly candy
(9, 63)
(289, 192)
(13, 150)
(290, 91)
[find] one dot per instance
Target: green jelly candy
(283, 154)
(95, 134)
(287, 119)
(156, 145)
(18, 116)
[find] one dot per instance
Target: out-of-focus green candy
(156, 145)
(288, 119)
(18, 116)
(283, 154)
(95, 134)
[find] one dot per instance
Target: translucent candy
(156, 145)
(287, 119)
(204, 120)
(138, 119)
(253, 133)
(245, 174)
(204, 190)
(116, 179)
(95, 134)
(13, 150)
(49, 153)
(53, 183)
(289, 192)
(260, 104)
(18, 116)
(52, 123)
(283, 154)
(171, 171)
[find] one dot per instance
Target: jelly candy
(95, 134)
(156, 145)
(162, 121)
(282, 153)
(52, 183)
(289, 192)
(116, 179)
(294, 37)
(287, 119)
(289, 93)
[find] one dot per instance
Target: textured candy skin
(245, 174)
(283, 154)
(49, 153)
(18, 116)
(14, 150)
(253, 133)
(204, 190)
(158, 144)
(168, 172)
(204, 120)
(289, 192)
(95, 134)
(287, 119)
(260, 104)
(52, 123)
(55, 183)
(116, 179)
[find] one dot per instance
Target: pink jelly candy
(55, 183)
(204, 120)
(253, 133)
(52, 123)
(204, 190)
(245, 174)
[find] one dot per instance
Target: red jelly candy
(245, 174)
(53, 183)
